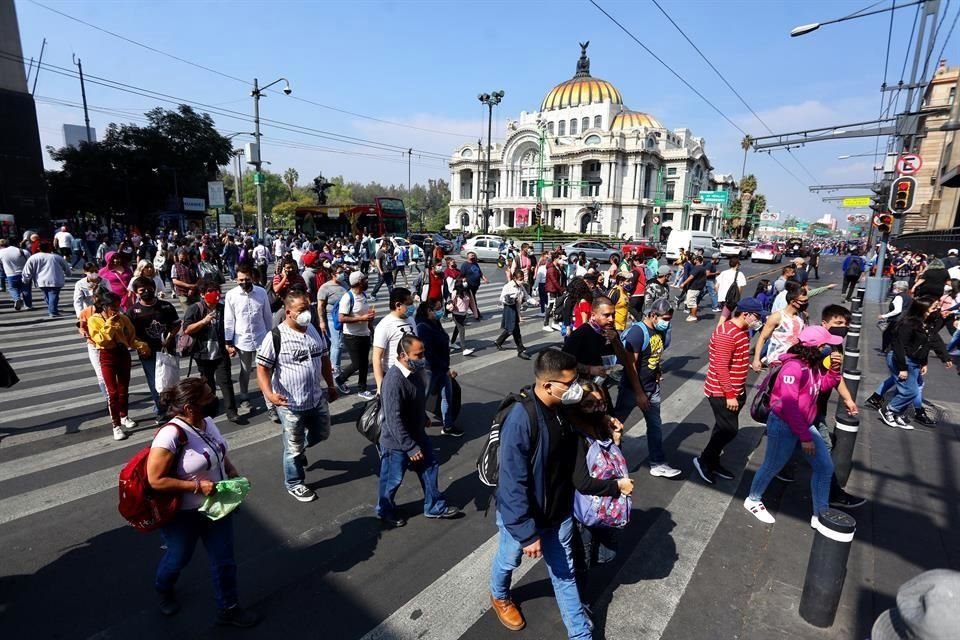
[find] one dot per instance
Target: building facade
(605, 169)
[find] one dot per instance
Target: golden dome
(626, 120)
(580, 91)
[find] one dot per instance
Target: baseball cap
(815, 335)
(356, 278)
(952, 252)
(928, 607)
(664, 271)
(751, 305)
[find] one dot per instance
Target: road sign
(259, 178)
(656, 219)
(909, 164)
(714, 197)
(857, 201)
(215, 194)
(194, 204)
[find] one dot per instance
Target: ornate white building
(596, 153)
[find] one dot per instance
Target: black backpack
(733, 293)
(855, 268)
(563, 311)
(488, 464)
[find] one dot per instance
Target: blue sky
(422, 64)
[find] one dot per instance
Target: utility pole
(257, 161)
(479, 157)
(491, 100)
(238, 182)
(43, 47)
(83, 93)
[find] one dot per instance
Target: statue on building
(583, 64)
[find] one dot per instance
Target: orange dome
(626, 120)
(580, 91)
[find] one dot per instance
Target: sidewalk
(749, 580)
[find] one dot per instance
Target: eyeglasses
(565, 383)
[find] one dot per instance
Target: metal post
(486, 188)
(83, 94)
(827, 567)
(258, 163)
(43, 48)
(238, 184)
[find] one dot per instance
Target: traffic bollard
(827, 568)
(851, 377)
(855, 304)
(856, 322)
(845, 438)
(851, 353)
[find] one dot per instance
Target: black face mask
(212, 409)
(839, 331)
(802, 306)
(148, 296)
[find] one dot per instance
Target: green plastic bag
(230, 493)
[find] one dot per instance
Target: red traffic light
(902, 194)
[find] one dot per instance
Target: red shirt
(583, 307)
(728, 361)
(435, 289)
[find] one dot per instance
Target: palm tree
(748, 186)
(290, 178)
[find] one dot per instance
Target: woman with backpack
(798, 383)
(401, 257)
(188, 457)
(461, 303)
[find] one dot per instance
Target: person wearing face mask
(246, 321)
(782, 328)
(156, 323)
(728, 360)
(471, 271)
(512, 296)
(389, 331)
(535, 492)
(85, 288)
(645, 343)
(203, 321)
(461, 303)
(432, 287)
(800, 380)
(356, 317)
(404, 442)
(188, 456)
(436, 344)
(291, 362)
(185, 277)
(328, 302)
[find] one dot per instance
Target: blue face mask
(661, 325)
(411, 311)
(438, 314)
(826, 350)
(416, 365)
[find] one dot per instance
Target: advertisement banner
(522, 217)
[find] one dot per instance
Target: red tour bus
(386, 216)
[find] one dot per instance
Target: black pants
(473, 293)
(816, 270)
(725, 428)
(636, 307)
(358, 347)
(849, 286)
(217, 374)
(517, 338)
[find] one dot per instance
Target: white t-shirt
(199, 461)
(64, 239)
(359, 307)
(725, 279)
(388, 333)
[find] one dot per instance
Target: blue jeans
(394, 464)
(909, 390)
(556, 544)
(336, 340)
(150, 373)
(442, 382)
(954, 341)
(891, 381)
(20, 291)
(181, 537)
(781, 442)
(52, 297)
(301, 429)
(710, 288)
(386, 278)
(626, 401)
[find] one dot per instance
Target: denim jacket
(521, 490)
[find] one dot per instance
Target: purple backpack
(605, 461)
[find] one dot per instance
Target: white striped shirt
(297, 373)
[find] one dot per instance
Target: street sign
(909, 164)
(656, 219)
(194, 204)
(259, 178)
(714, 197)
(857, 201)
(215, 195)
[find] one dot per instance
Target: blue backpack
(335, 317)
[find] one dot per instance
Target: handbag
(368, 424)
(8, 377)
(166, 371)
(760, 407)
(605, 461)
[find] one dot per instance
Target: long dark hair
(425, 312)
(916, 313)
(811, 356)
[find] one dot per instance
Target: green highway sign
(258, 178)
(713, 197)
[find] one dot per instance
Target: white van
(689, 241)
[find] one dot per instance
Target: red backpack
(141, 506)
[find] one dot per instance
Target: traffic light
(878, 203)
(902, 194)
(537, 215)
(883, 222)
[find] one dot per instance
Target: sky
(409, 72)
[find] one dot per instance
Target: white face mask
(756, 325)
(572, 395)
(303, 318)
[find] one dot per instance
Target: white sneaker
(367, 395)
(119, 434)
(549, 327)
(127, 423)
(664, 470)
(468, 352)
(757, 509)
(814, 521)
(539, 314)
(691, 318)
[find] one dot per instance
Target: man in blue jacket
(853, 267)
(535, 493)
(471, 271)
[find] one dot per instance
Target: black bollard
(851, 359)
(856, 322)
(827, 568)
(855, 304)
(851, 377)
(845, 438)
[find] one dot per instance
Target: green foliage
(290, 178)
(748, 184)
(282, 214)
(759, 204)
(341, 194)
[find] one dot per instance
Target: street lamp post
(807, 28)
(491, 100)
(257, 93)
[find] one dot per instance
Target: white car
(487, 248)
(734, 249)
(766, 252)
(396, 240)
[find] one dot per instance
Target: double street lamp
(255, 160)
(491, 100)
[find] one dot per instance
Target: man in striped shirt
(725, 388)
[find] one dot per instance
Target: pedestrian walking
(385, 264)
(184, 276)
(461, 303)
(192, 469)
(853, 267)
(473, 274)
(48, 271)
(246, 321)
(356, 317)
(512, 296)
(404, 443)
(388, 332)
(12, 259)
(203, 321)
(85, 288)
(692, 285)
(436, 345)
(782, 329)
(328, 303)
(156, 323)
(116, 276)
(146, 269)
(710, 284)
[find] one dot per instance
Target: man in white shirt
(290, 363)
(726, 279)
(48, 271)
(246, 320)
(390, 330)
(12, 259)
(63, 242)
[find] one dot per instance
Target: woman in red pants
(113, 335)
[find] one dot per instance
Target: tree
(283, 214)
(339, 193)
(290, 178)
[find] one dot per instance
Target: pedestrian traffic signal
(902, 194)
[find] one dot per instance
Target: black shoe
(453, 432)
(498, 346)
(168, 604)
(237, 617)
(450, 513)
(705, 472)
(18, 305)
(393, 523)
(875, 401)
(786, 475)
(272, 414)
(523, 355)
(842, 499)
(921, 416)
(720, 472)
(233, 417)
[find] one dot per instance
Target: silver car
(594, 250)
(487, 249)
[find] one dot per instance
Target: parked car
(734, 249)
(593, 249)
(487, 248)
(781, 247)
(766, 252)
(642, 248)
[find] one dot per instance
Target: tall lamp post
(491, 100)
(255, 160)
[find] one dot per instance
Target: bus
(384, 217)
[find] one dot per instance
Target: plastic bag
(167, 371)
(230, 493)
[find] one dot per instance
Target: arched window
(584, 124)
(573, 127)
(528, 173)
(597, 122)
(592, 139)
(562, 128)
(467, 153)
(550, 128)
